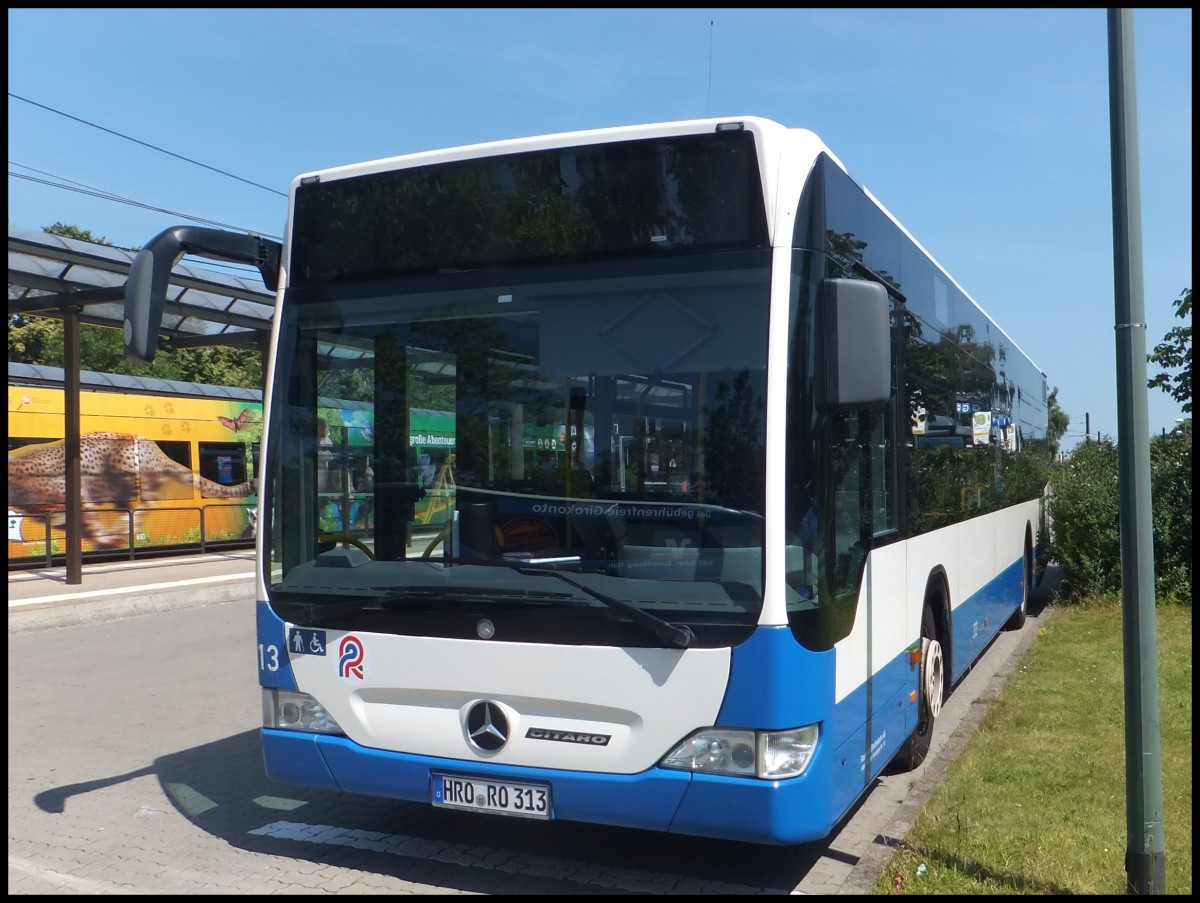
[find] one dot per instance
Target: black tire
(933, 692)
(1017, 621)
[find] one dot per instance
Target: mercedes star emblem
(487, 728)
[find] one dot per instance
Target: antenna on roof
(708, 102)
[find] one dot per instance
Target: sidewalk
(42, 598)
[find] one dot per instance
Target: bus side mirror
(856, 344)
(150, 276)
(145, 297)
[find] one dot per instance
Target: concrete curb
(871, 864)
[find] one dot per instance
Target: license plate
(504, 797)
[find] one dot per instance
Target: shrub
(1085, 513)
(1171, 489)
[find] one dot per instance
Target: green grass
(1036, 802)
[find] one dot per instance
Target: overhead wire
(65, 184)
(146, 144)
(79, 187)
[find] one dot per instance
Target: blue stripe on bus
(274, 663)
(741, 809)
(776, 683)
(800, 691)
(975, 622)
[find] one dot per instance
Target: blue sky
(986, 132)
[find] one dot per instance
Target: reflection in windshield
(612, 427)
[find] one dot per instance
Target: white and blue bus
(744, 482)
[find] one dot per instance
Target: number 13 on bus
(717, 541)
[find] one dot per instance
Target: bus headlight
(762, 754)
(288, 710)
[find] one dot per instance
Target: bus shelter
(83, 282)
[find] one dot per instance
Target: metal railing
(112, 533)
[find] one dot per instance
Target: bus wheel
(1017, 621)
(933, 691)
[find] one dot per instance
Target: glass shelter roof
(48, 274)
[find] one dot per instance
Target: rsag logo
(351, 654)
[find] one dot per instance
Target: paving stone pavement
(161, 831)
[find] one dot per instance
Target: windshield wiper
(678, 635)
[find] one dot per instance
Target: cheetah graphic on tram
(118, 472)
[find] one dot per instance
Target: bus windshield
(445, 447)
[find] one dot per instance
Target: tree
(1174, 352)
(65, 231)
(1057, 421)
(35, 340)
